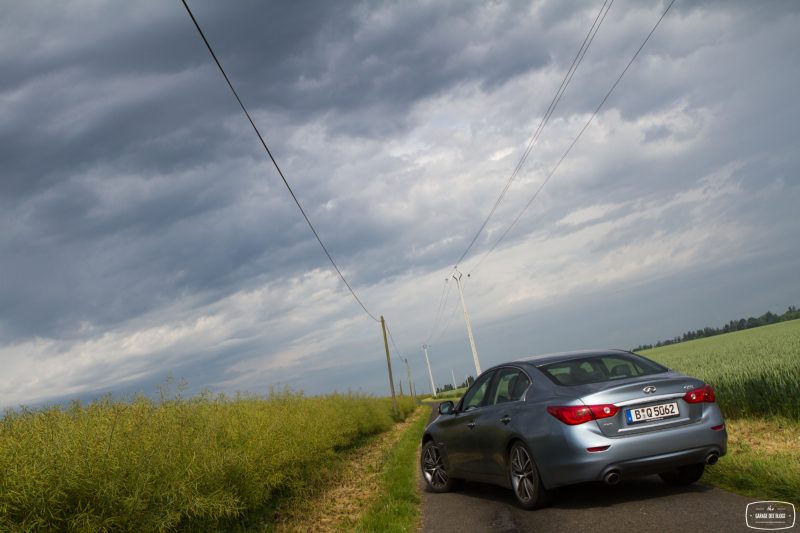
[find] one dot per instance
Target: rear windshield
(599, 368)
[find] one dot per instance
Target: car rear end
(618, 426)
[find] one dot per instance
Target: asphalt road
(640, 505)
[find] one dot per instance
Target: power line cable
(275, 163)
(576, 61)
(397, 353)
(391, 338)
(575, 140)
(447, 324)
(440, 308)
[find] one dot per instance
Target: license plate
(654, 412)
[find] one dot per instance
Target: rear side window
(599, 368)
(511, 385)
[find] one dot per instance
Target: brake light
(604, 411)
(579, 414)
(703, 394)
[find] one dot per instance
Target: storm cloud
(144, 233)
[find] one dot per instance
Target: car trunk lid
(646, 403)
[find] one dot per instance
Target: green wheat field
(754, 372)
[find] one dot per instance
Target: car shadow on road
(591, 495)
(588, 495)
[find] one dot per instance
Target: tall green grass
(754, 372)
(396, 506)
(175, 464)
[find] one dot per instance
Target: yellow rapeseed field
(151, 466)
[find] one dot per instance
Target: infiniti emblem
(649, 389)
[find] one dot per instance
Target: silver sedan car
(543, 422)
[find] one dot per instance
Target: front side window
(511, 385)
(477, 393)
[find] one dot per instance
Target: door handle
(471, 424)
(506, 419)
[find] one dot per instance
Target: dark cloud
(135, 199)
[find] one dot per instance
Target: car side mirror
(446, 408)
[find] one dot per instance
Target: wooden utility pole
(410, 381)
(389, 365)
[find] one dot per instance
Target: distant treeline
(449, 386)
(767, 318)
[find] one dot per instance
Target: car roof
(538, 360)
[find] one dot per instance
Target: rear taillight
(579, 414)
(703, 394)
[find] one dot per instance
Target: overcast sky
(144, 233)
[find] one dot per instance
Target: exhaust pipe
(712, 458)
(612, 478)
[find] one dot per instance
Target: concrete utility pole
(389, 364)
(410, 381)
(427, 360)
(469, 325)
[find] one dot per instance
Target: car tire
(685, 475)
(524, 477)
(434, 471)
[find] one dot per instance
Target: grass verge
(761, 461)
(346, 488)
(396, 504)
(756, 375)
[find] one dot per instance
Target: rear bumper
(655, 464)
(564, 460)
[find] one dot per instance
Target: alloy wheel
(433, 467)
(525, 479)
(523, 475)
